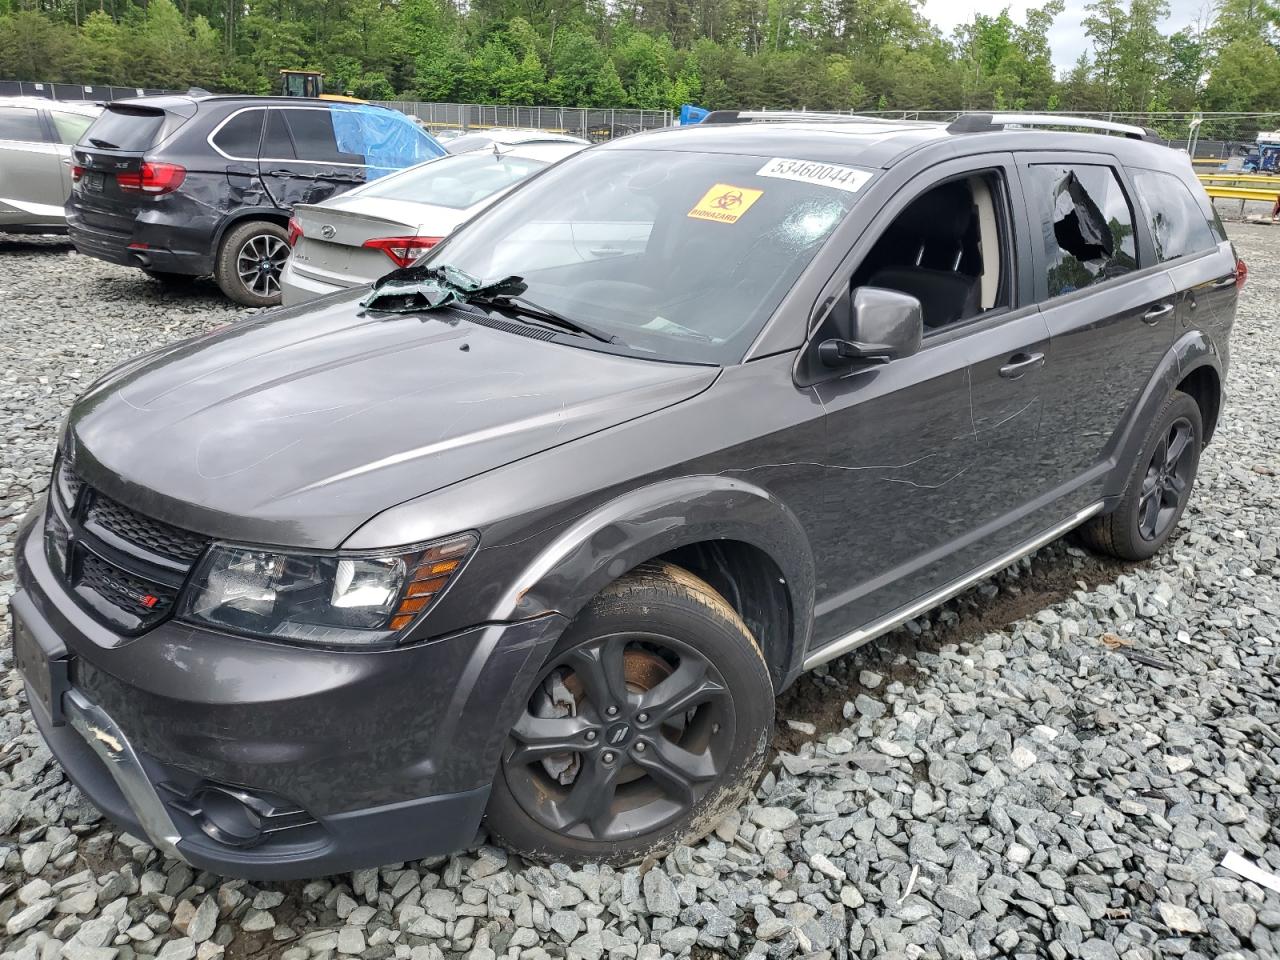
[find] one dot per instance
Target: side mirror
(871, 325)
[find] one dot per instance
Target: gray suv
(533, 531)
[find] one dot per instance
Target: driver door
(926, 454)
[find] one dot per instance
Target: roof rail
(774, 116)
(987, 122)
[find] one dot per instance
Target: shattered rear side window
(1087, 225)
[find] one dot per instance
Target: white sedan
(353, 239)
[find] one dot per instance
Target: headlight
(336, 598)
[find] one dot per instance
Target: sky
(1066, 39)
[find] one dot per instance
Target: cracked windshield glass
(680, 256)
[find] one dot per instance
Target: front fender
(652, 520)
(1193, 350)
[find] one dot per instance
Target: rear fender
(1193, 350)
(653, 520)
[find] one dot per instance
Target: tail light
(153, 178)
(77, 172)
(1242, 273)
(402, 250)
(295, 231)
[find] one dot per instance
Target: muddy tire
(1158, 488)
(647, 725)
(249, 262)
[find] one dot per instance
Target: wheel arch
(1193, 361)
(231, 221)
(737, 536)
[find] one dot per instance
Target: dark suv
(191, 186)
(535, 529)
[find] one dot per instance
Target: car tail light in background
(153, 178)
(77, 172)
(295, 231)
(402, 250)
(1242, 273)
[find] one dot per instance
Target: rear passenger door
(300, 160)
(1110, 309)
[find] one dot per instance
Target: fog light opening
(224, 818)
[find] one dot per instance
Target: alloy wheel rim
(1167, 480)
(647, 735)
(260, 262)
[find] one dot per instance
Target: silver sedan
(36, 136)
(354, 239)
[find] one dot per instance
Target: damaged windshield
(1088, 227)
(679, 256)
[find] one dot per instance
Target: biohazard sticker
(822, 174)
(724, 203)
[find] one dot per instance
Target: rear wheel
(1159, 486)
(647, 725)
(250, 261)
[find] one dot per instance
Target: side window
(1178, 225)
(22, 124)
(315, 138)
(70, 127)
(1087, 225)
(276, 144)
(239, 136)
(950, 249)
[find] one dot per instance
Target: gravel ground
(1054, 765)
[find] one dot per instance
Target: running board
(862, 635)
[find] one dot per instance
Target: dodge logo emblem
(327, 231)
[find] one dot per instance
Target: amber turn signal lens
(431, 574)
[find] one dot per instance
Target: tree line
(817, 54)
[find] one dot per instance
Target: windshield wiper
(104, 144)
(520, 306)
(429, 287)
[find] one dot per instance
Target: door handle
(1155, 314)
(1224, 283)
(1021, 363)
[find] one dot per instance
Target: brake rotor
(642, 670)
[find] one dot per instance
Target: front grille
(154, 536)
(148, 601)
(124, 568)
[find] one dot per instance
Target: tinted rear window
(20, 123)
(1178, 226)
(125, 129)
(239, 136)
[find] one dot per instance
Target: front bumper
(342, 759)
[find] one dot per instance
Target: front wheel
(1158, 488)
(250, 261)
(647, 725)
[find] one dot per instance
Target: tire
(1152, 504)
(670, 781)
(253, 242)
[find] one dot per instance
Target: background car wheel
(1158, 488)
(648, 724)
(250, 261)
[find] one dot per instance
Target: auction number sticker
(822, 174)
(725, 203)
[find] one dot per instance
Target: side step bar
(851, 641)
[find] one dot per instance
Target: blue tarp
(388, 140)
(691, 114)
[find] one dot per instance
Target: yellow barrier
(1244, 195)
(1240, 178)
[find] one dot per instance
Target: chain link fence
(587, 122)
(590, 123)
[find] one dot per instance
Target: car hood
(296, 427)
